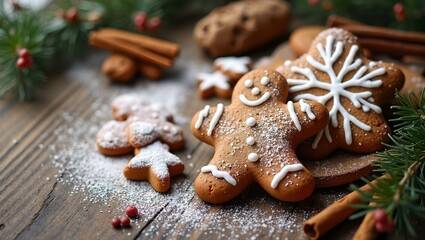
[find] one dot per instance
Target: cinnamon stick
(337, 21)
(392, 47)
(129, 49)
(367, 228)
(162, 47)
(336, 213)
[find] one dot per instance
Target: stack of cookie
(148, 131)
(328, 99)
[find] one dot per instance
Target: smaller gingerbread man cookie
(220, 83)
(142, 132)
(233, 67)
(335, 73)
(255, 138)
(155, 164)
(128, 105)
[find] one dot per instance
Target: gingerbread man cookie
(335, 73)
(142, 132)
(155, 164)
(128, 105)
(255, 139)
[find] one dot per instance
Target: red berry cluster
(71, 15)
(399, 12)
(383, 224)
(24, 60)
(124, 221)
(142, 22)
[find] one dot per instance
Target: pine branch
(402, 194)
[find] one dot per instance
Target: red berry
(116, 222)
(140, 20)
(131, 211)
(399, 12)
(380, 215)
(72, 14)
(24, 53)
(125, 221)
(154, 23)
(28, 63)
(21, 63)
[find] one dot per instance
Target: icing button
(250, 141)
(250, 121)
(252, 157)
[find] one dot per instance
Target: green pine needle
(402, 194)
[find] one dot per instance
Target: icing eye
(248, 83)
(250, 121)
(255, 91)
(265, 80)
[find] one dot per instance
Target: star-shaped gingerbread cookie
(255, 139)
(335, 73)
(155, 164)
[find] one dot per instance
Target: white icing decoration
(293, 115)
(202, 114)
(252, 157)
(255, 91)
(215, 118)
(250, 141)
(250, 121)
(248, 83)
(254, 103)
(336, 88)
(372, 64)
(233, 64)
(219, 174)
(285, 170)
(287, 63)
(305, 107)
(265, 80)
(216, 79)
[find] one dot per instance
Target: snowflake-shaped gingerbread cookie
(255, 139)
(335, 73)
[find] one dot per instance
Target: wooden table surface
(55, 185)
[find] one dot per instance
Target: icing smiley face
(254, 138)
(259, 89)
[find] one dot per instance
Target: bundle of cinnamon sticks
(133, 52)
(321, 223)
(382, 40)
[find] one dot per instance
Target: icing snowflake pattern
(337, 88)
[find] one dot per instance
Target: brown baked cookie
(142, 132)
(335, 73)
(300, 39)
(242, 26)
(128, 105)
(255, 139)
(119, 68)
(233, 67)
(112, 139)
(155, 164)
(214, 84)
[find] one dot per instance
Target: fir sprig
(29, 30)
(402, 193)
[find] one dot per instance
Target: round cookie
(242, 26)
(255, 138)
(335, 73)
(119, 68)
(300, 39)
